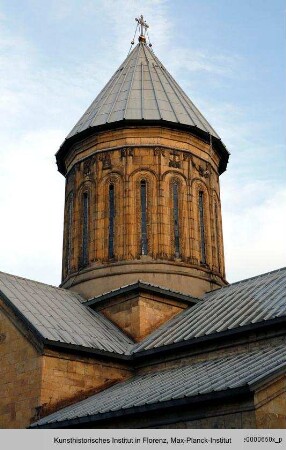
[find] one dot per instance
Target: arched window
(69, 232)
(85, 226)
(143, 202)
(217, 234)
(202, 228)
(176, 219)
(111, 221)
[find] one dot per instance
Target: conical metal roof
(142, 89)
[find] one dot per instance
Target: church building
(144, 330)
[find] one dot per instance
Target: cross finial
(143, 28)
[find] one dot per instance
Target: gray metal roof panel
(249, 301)
(186, 381)
(60, 315)
(142, 89)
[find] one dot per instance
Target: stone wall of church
(270, 405)
(34, 384)
(20, 373)
(68, 378)
(109, 241)
(138, 315)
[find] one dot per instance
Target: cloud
(254, 233)
(32, 208)
(35, 88)
(195, 60)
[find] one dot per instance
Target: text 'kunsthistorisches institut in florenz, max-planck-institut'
(144, 330)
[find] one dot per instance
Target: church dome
(142, 170)
(142, 89)
(142, 92)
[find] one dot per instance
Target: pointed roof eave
(140, 93)
(218, 145)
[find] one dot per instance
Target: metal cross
(143, 25)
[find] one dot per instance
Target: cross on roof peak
(143, 28)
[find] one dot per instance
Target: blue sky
(56, 55)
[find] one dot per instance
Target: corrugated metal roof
(142, 89)
(182, 382)
(249, 301)
(59, 315)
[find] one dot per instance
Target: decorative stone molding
(106, 160)
(175, 164)
(126, 151)
(175, 161)
(202, 171)
(160, 162)
(87, 167)
(187, 156)
(158, 151)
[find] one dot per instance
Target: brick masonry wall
(20, 374)
(70, 378)
(154, 313)
(33, 384)
(140, 315)
(270, 404)
(124, 158)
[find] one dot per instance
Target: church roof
(182, 384)
(58, 316)
(142, 89)
(62, 317)
(247, 302)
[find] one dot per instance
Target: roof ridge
(132, 79)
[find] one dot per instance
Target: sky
(55, 57)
